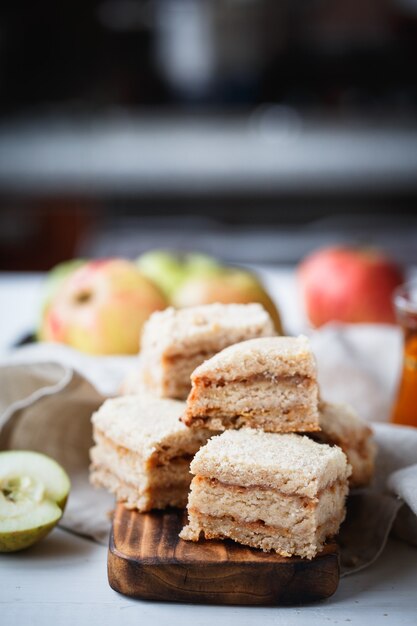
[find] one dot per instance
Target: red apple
(349, 285)
(100, 308)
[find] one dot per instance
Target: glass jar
(405, 407)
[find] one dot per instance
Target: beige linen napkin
(48, 393)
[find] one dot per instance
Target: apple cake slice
(340, 425)
(268, 383)
(281, 492)
(175, 342)
(142, 451)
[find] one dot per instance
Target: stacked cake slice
(268, 383)
(341, 426)
(270, 491)
(175, 342)
(142, 451)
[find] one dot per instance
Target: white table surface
(63, 580)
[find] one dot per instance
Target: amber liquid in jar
(405, 408)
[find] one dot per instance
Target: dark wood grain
(148, 560)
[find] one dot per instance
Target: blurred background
(254, 130)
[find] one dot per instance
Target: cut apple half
(33, 493)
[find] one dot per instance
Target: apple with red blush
(100, 308)
(347, 284)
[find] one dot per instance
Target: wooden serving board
(148, 560)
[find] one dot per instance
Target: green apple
(228, 286)
(169, 270)
(164, 268)
(101, 308)
(33, 493)
(201, 264)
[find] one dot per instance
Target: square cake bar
(281, 492)
(340, 425)
(175, 342)
(267, 383)
(142, 451)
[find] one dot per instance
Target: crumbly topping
(174, 332)
(267, 356)
(146, 424)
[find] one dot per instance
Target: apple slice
(33, 493)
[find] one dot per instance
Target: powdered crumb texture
(291, 463)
